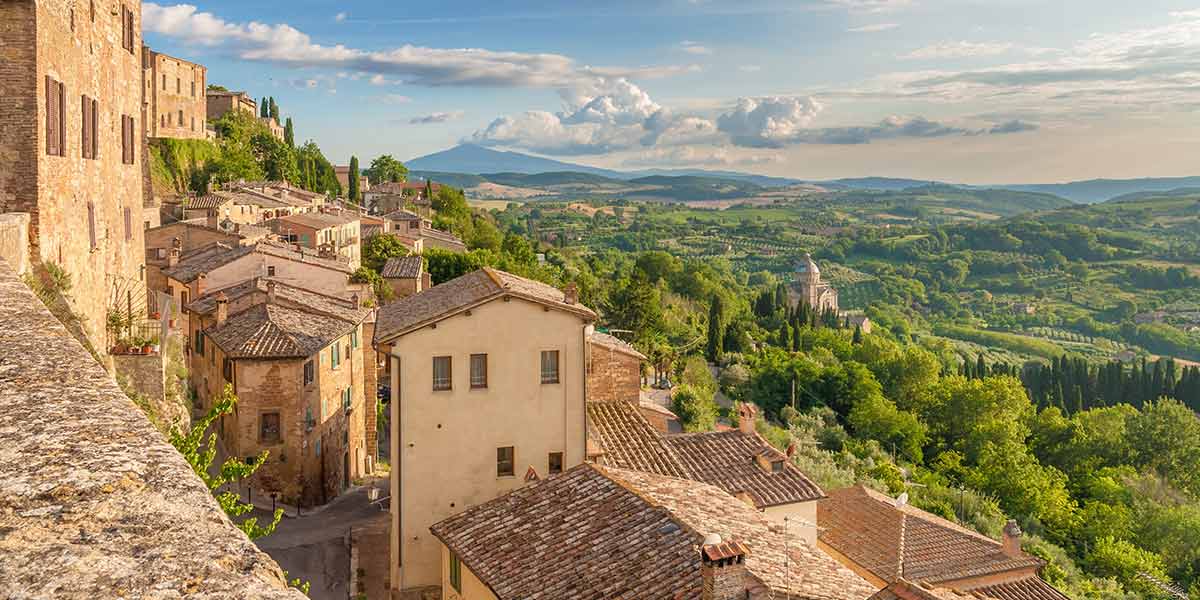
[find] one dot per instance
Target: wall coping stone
(94, 501)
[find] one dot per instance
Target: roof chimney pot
(571, 293)
(747, 417)
(222, 308)
(270, 291)
(723, 569)
(1012, 539)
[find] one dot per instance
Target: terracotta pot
(171, 323)
(147, 349)
(156, 315)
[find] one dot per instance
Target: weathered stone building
(296, 361)
(70, 145)
(176, 105)
(219, 102)
(614, 370)
(406, 275)
(335, 233)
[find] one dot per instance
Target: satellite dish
(902, 499)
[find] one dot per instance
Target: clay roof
(628, 441)
(213, 256)
(907, 590)
(595, 532)
(894, 542)
(399, 187)
(614, 343)
(403, 267)
(461, 293)
(726, 459)
(316, 220)
(1028, 588)
(207, 201)
(240, 197)
(269, 331)
(370, 231)
(286, 294)
(404, 215)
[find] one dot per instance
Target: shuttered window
(127, 138)
(129, 33)
(128, 224)
(91, 209)
(89, 112)
(55, 127)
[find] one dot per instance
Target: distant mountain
(1100, 190)
(1137, 196)
(887, 184)
(477, 160)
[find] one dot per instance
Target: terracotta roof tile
(370, 231)
(286, 294)
(207, 201)
(403, 267)
(726, 459)
(1028, 588)
(598, 533)
(461, 293)
(269, 331)
(615, 343)
(896, 542)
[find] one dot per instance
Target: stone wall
(613, 375)
(94, 503)
(174, 89)
(18, 108)
(14, 241)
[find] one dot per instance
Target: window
(128, 224)
(556, 462)
(92, 7)
(478, 371)
(308, 418)
(193, 122)
(183, 297)
(178, 89)
(441, 373)
(354, 338)
(89, 112)
(347, 398)
(268, 428)
(549, 366)
(308, 373)
(227, 369)
(505, 461)
(270, 270)
(55, 127)
(127, 138)
(199, 343)
(335, 355)
(129, 34)
(91, 214)
(180, 122)
(164, 81)
(455, 573)
(193, 94)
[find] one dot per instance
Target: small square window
(441, 373)
(270, 270)
(777, 466)
(550, 366)
(479, 374)
(556, 462)
(268, 431)
(505, 461)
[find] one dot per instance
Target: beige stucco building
(334, 233)
(296, 361)
(70, 143)
(176, 105)
(487, 376)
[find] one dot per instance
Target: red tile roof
(269, 331)
(1028, 588)
(403, 267)
(895, 542)
(629, 441)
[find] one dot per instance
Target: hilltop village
(330, 356)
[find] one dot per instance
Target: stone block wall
(175, 89)
(613, 375)
(144, 373)
(97, 503)
(14, 241)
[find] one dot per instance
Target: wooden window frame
(506, 467)
(262, 428)
(551, 459)
(56, 108)
(479, 378)
(455, 572)
(549, 378)
(309, 373)
(447, 383)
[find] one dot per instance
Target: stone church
(808, 287)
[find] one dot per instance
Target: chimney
(213, 219)
(177, 243)
(222, 308)
(1012, 539)
(355, 300)
(571, 293)
(791, 449)
(173, 257)
(270, 291)
(200, 284)
(723, 569)
(747, 417)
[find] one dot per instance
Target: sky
(966, 91)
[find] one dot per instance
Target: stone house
(343, 177)
(335, 233)
(218, 102)
(414, 229)
(71, 150)
(221, 265)
(596, 532)
(614, 370)
(894, 545)
(295, 360)
(388, 197)
(273, 126)
(176, 105)
(183, 238)
(406, 275)
(487, 382)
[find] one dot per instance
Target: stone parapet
(94, 502)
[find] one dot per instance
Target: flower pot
(156, 315)
(156, 348)
(171, 323)
(135, 350)
(147, 349)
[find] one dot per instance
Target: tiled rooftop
(463, 292)
(595, 532)
(615, 343)
(896, 542)
(1028, 588)
(286, 294)
(271, 331)
(316, 220)
(403, 267)
(727, 459)
(203, 260)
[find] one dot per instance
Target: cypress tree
(274, 114)
(429, 190)
(289, 134)
(785, 336)
(264, 110)
(352, 180)
(857, 339)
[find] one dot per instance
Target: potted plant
(152, 344)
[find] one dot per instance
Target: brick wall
(18, 109)
(612, 375)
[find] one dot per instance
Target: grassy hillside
(175, 165)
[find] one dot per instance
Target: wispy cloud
(750, 68)
(873, 28)
(340, 17)
(284, 45)
(694, 48)
(961, 49)
(395, 99)
(437, 117)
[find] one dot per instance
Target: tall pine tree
(289, 134)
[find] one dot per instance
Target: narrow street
(314, 548)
